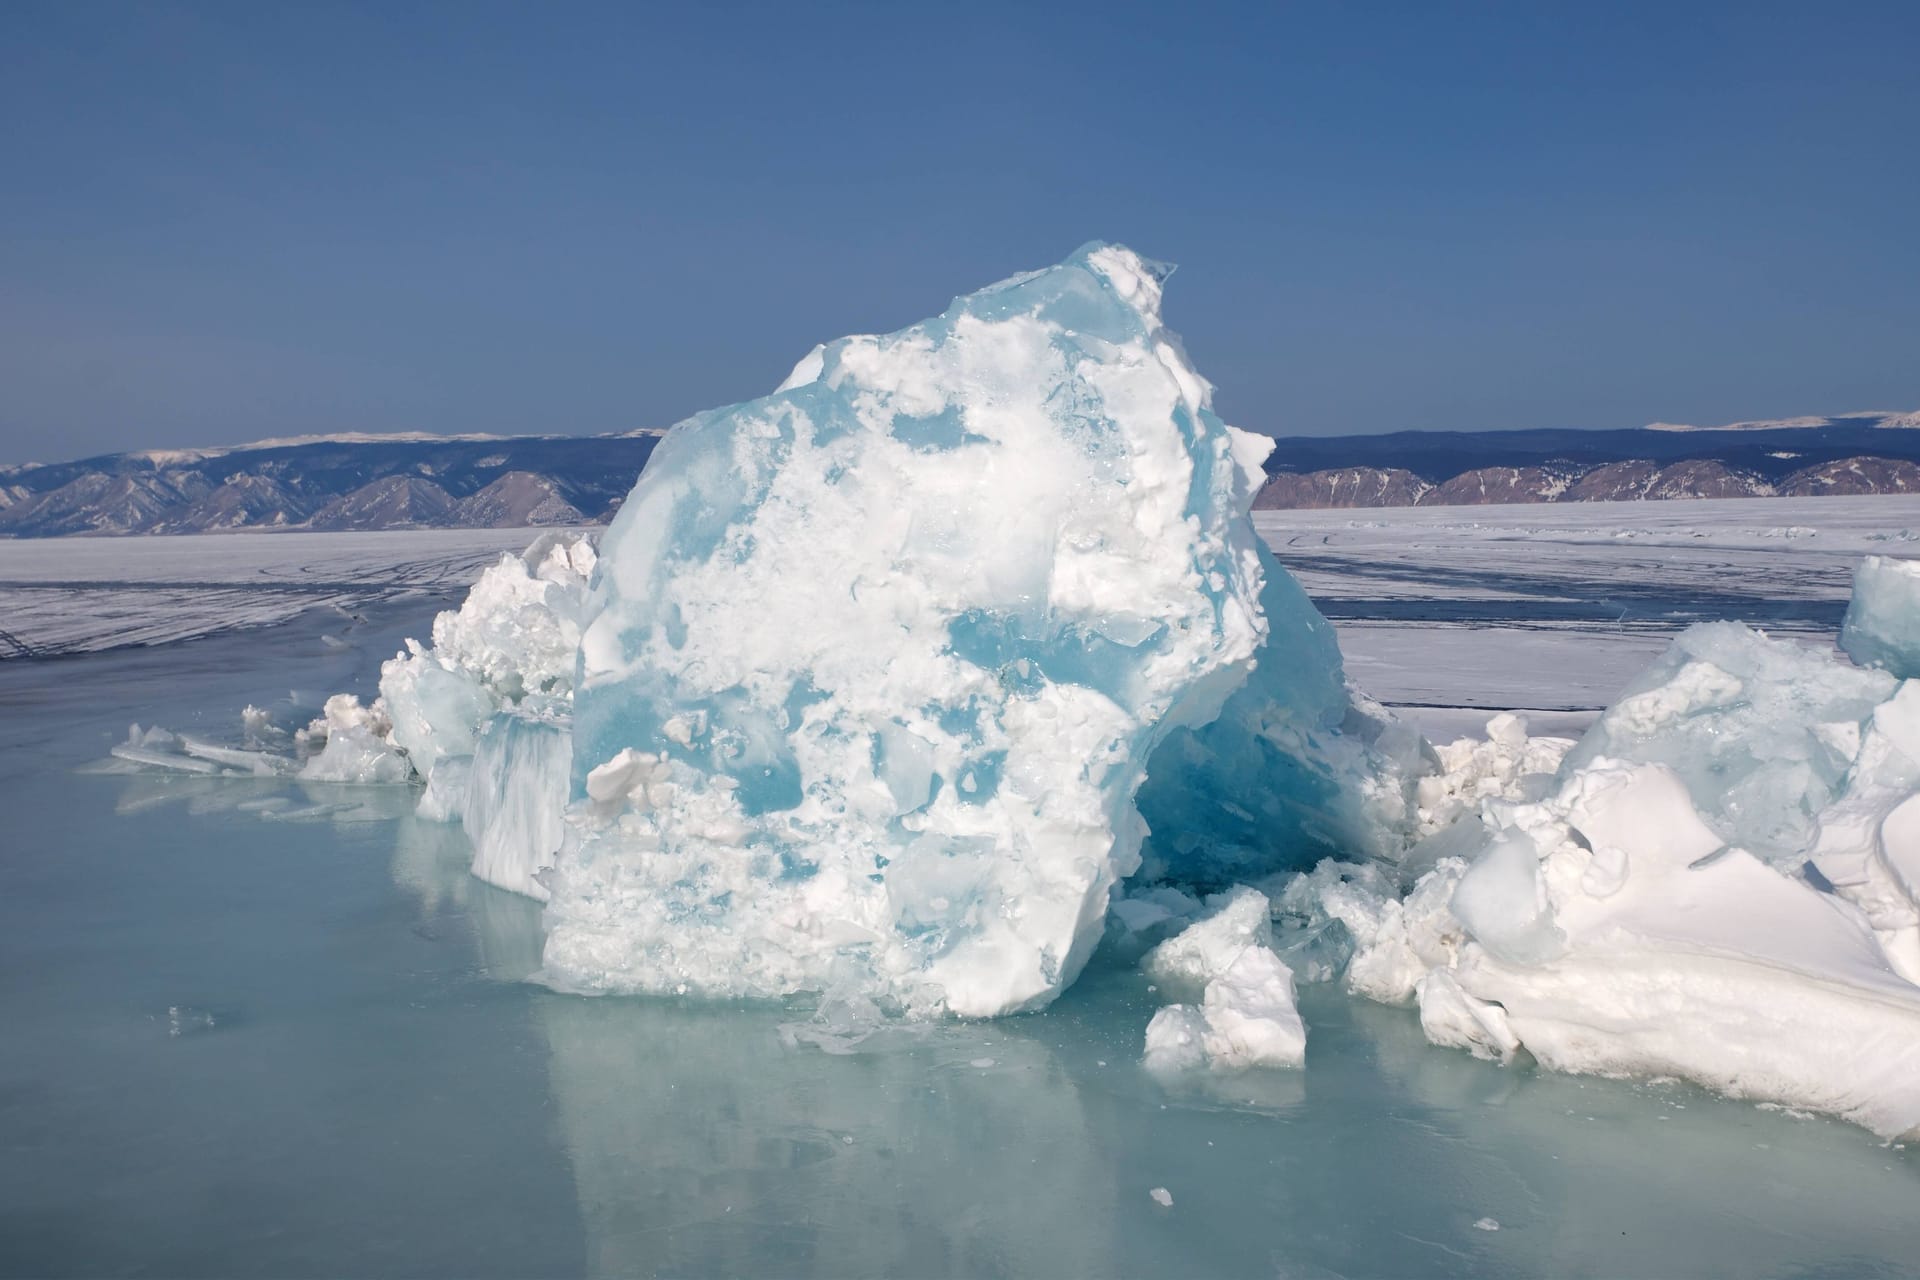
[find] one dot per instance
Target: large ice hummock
(877, 664)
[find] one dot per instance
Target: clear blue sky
(221, 222)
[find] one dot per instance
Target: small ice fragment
(1247, 1016)
(981, 1062)
(1486, 1224)
(1162, 1197)
(135, 754)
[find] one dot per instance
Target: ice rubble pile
(1720, 883)
(485, 714)
(877, 664)
(1246, 1015)
(483, 717)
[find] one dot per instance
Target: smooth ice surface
(304, 1048)
(878, 662)
(1882, 626)
(89, 595)
(1448, 614)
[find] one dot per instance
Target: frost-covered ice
(1506, 763)
(1762, 731)
(879, 662)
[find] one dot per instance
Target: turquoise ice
(1882, 626)
(877, 667)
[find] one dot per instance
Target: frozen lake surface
(238, 1045)
(1554, 608)
(82, 595)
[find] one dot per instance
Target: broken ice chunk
(1882, 626)
(1247, 1015)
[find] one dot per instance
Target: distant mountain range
(330, 482)
(1854, 453)
(426, 481)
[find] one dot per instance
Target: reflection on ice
(701, 1146)
(269, 799)
(707, 1139)
(430, 864)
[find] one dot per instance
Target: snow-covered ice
(1719, 884)
(1448, 614)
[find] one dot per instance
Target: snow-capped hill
(243, 501)
(186, 457)
(1855, 454)
(1881, 419)
(397, 502)
(345, 481)
(519, 499)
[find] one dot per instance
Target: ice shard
(1882, 626)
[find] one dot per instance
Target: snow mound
(877, 665)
